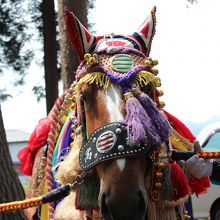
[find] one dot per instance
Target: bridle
(110, 141)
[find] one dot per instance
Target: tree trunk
(69, 59)
(11, 188)
(50, 53)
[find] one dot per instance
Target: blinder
(107, 143)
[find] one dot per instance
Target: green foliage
(15, 50)
(192, 1)
(39, 91)
(4, 96)
(14, 37)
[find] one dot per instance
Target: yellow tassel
(100, 79)
(180, 143)
(144, 77)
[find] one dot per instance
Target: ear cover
(83, 41)
(80, 37)
(145, 33)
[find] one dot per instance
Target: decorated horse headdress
(123, 60)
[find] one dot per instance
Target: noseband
(106, 143)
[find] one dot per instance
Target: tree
(11, 188)
(69, 60)
(50, 53)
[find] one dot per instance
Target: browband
(106, 143)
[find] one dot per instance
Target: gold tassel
(180, 143)
(99, 79)
(144, 77)
(151, 210)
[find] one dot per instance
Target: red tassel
(179, 182)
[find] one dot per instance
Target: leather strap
(106, 143)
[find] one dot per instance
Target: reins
(56, 194)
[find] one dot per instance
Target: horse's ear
(145, 33)
(80, 37)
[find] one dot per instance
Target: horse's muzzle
(133, 207)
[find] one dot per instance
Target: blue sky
(186, 44)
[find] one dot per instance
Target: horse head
(119, 112)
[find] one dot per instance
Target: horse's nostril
(134, 208)
(104, 208)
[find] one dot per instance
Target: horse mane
(69, 168)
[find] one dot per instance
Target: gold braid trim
(180, 143)
(12, 206)
(144, 77)
(98, 78)
(101, 79)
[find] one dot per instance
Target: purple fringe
(125, 79)
(157, 119)
(140, 128)
(122, 79)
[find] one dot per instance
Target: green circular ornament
(121, 63)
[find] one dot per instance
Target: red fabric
(37, 139)
(179, 182)
(180, 127)
(198, 186)
(74, 31)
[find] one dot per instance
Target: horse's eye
(88, 94)
(83, 97)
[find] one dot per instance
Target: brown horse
(109, 127)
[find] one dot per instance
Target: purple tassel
(158, 120)
(140, 128)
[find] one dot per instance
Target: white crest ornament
(106, 141)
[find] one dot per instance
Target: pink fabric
(37, 139)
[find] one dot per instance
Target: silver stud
(118, 130)
(95, 155)
(94, 140)
(120, 147)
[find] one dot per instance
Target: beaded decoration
(161, 161)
